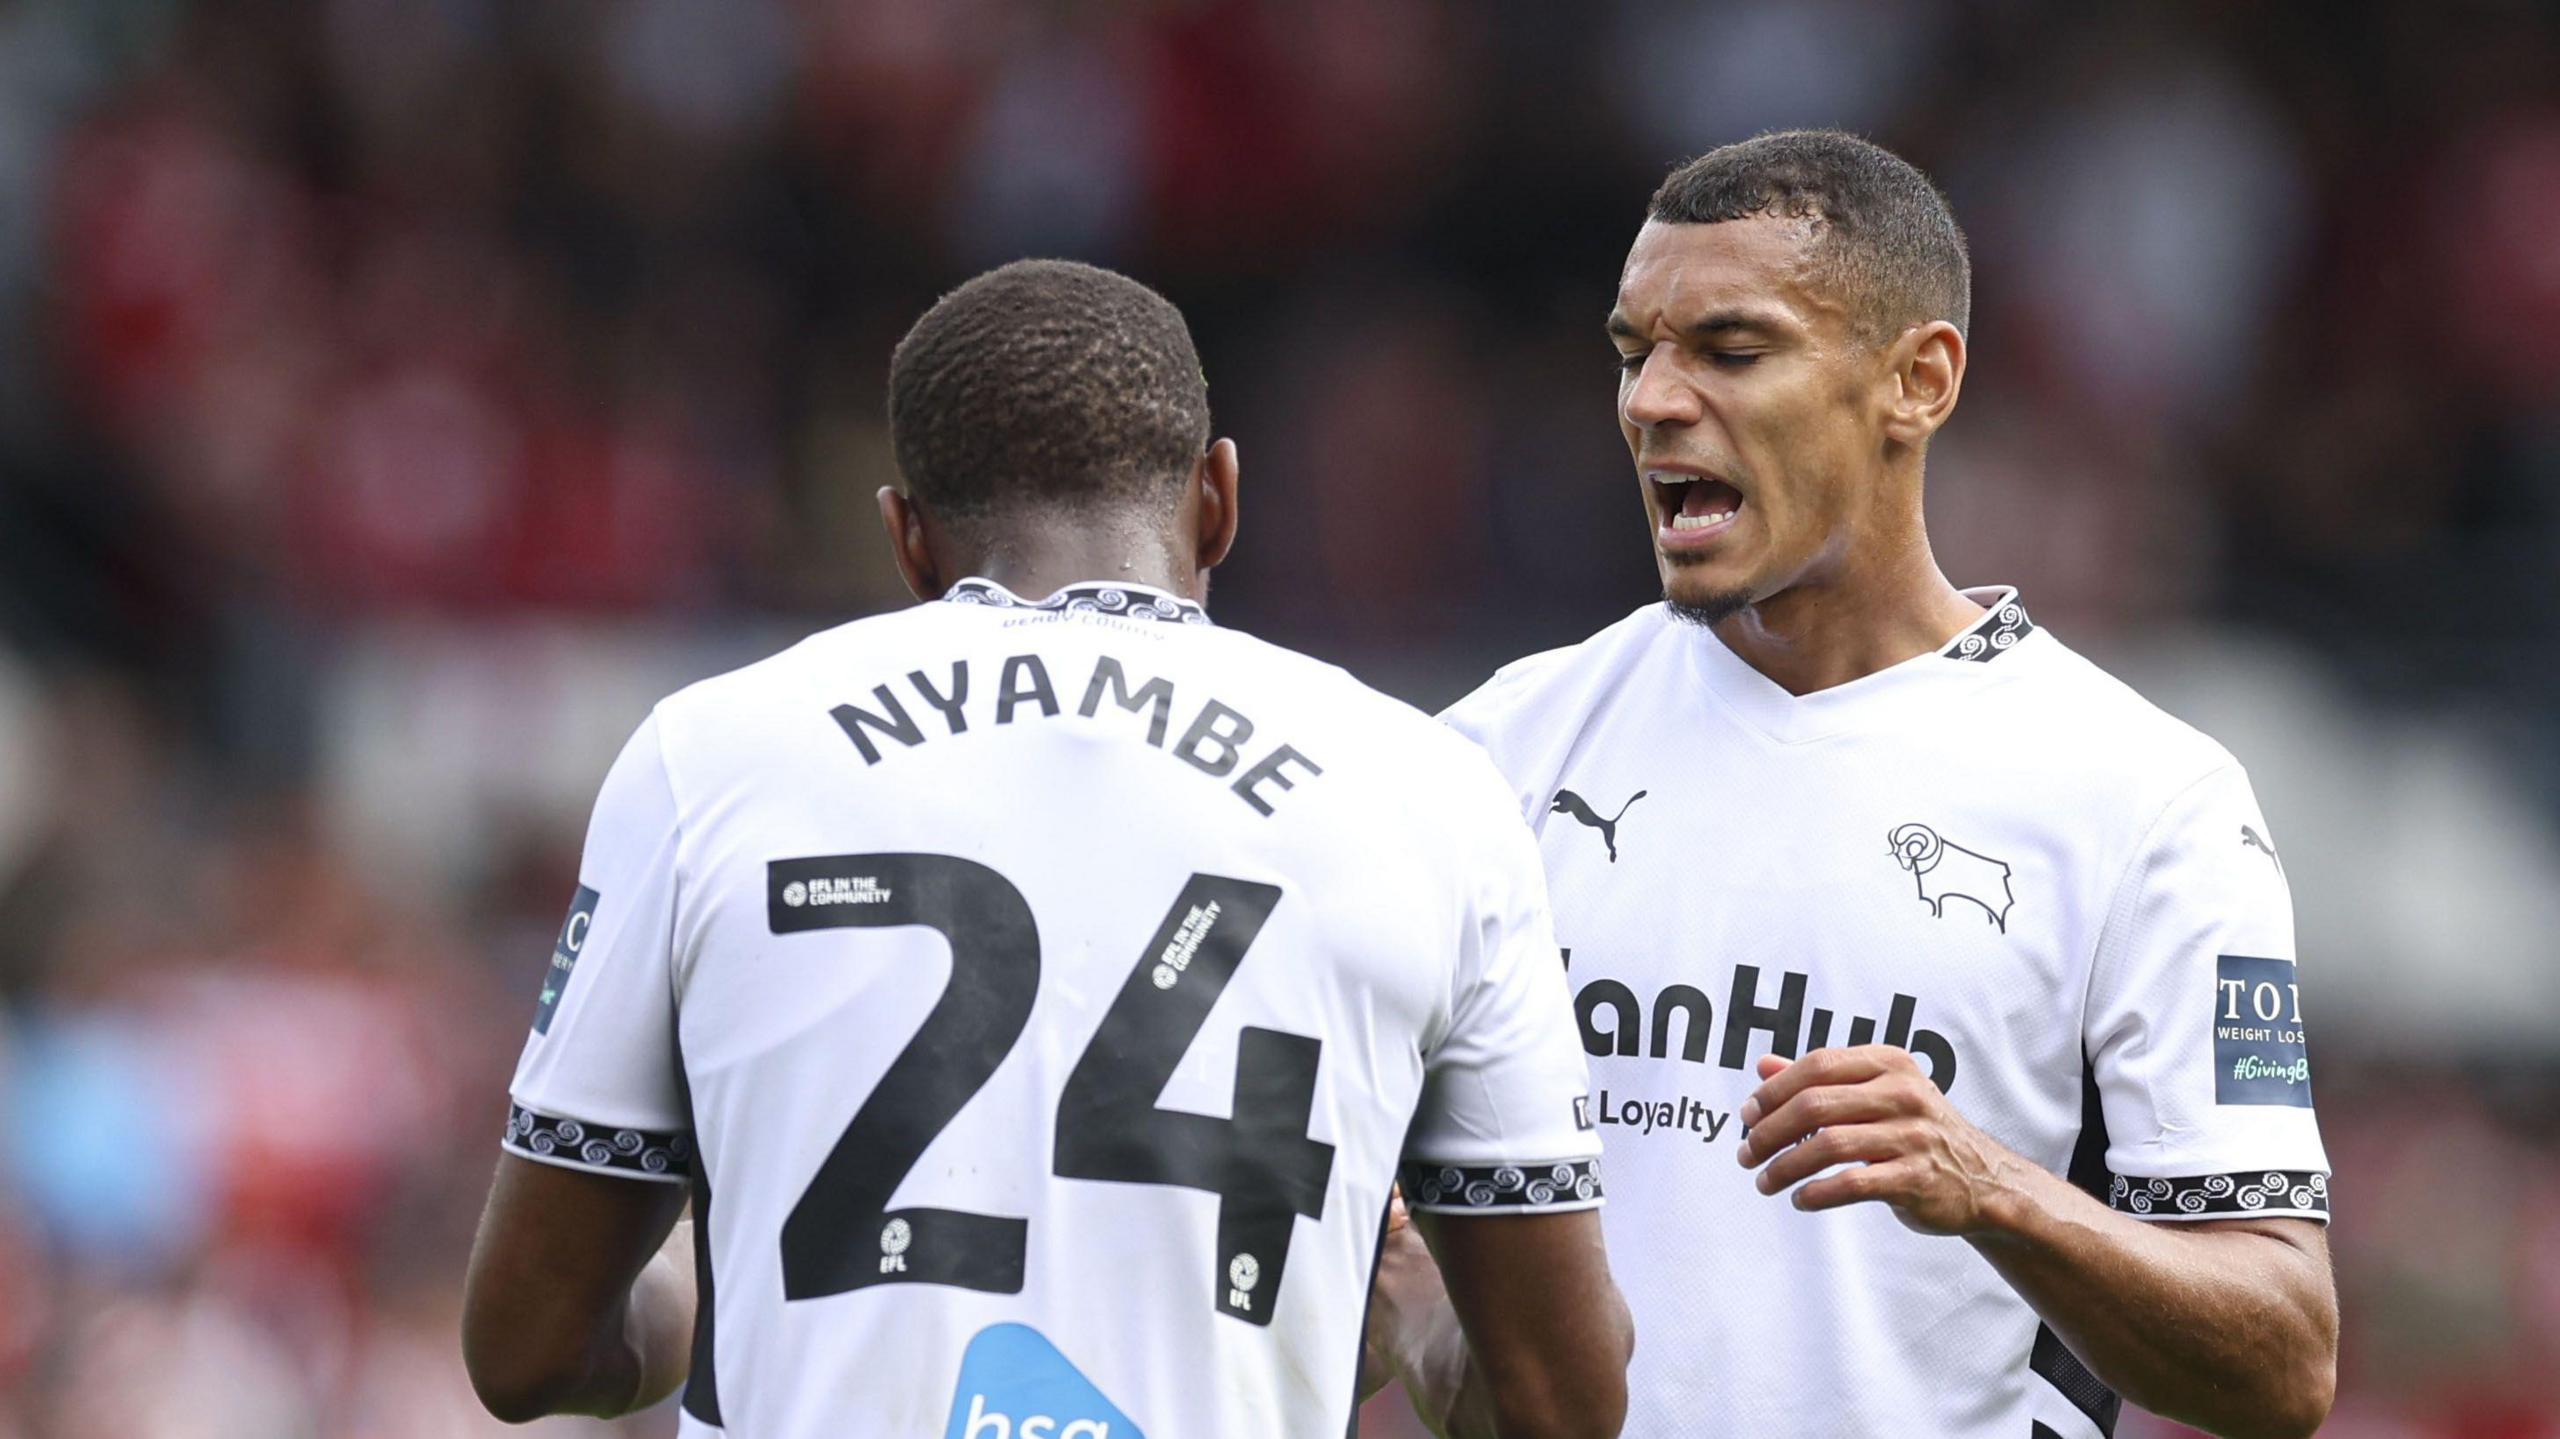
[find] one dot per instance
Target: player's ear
(908, 545)
(1928, 371)
(1214, 479)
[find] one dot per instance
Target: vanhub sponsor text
(1614, 1020)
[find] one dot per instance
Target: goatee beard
(1709, 612)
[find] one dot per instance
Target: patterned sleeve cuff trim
(1461, 1188)
(2211, 1196)
(631, 1153)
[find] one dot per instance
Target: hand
(1872, 1109)
(1398, 1251)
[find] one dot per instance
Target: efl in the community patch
(2258, 1052)
(564, 956)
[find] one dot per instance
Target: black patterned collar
(2003, 624)
(1093, 597)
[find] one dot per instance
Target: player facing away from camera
(1940, 991)
(1037, 990)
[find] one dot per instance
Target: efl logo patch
(564, 956)
(2258, 1052)
(804, 894)
(1014, 1384)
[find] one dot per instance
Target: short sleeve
(1488, 717)
(600, 1085)
(1476, 713)
(2194, 1030)
(1504, 1122)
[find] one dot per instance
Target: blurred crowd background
(396, 396)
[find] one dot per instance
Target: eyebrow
(1714, 326)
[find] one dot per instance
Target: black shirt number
(842, 1234)
(1261, 1164)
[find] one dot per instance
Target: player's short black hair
(1048, 383)
(1884, 230)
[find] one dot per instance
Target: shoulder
(1390, 730)
(799, 662)
(2061, 700)
(1553, 686)
(1394, 765)
(727, 718)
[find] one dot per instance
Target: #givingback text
(2250, 1066)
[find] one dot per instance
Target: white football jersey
(1040, 998)
(2065, 903)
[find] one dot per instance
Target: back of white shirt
(1041, 998)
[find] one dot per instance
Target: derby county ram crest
(1946, 871)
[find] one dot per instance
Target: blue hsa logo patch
(1014, 1384)
(2258, 1051)
(564, 956)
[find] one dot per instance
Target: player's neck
(1814, 636)
(1038, 567)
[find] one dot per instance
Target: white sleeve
(1476, 712)
(2194, 1030)
(1490, 718)
(600, 1086)
(1504, 1121)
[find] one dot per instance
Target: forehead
(1677, 274)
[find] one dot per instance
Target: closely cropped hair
(1050, 384)
(1884, 231)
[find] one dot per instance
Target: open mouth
(1691, 507)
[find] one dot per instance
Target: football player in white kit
(1038, 991)
(1981, 967)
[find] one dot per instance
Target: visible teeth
(1700, 522)
(1670, 477)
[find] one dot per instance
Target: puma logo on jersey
(1567, 802)
(1944, 871)
(2251, 837)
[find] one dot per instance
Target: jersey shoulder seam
(1542, 666)
(2114, 699)
(1425, 728)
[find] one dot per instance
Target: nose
(1659, 394)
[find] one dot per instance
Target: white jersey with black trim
(2063, 901)
(1041, 998)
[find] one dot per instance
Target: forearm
(633, 1364)
(1419, 1341)
(658, 1324)
(2231, 1329)
(579, 1298)
(1522, 1334)
(1449, 1393)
